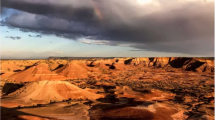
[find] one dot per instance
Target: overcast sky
(32, 29)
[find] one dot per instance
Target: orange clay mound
(73, 70)
(53, 66)
(83, 64)
(52, 90)
(36, 73)
(102, 64)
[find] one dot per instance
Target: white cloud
(95, 42)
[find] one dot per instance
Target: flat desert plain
(159, 88)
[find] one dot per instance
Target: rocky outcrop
(161, 61)
(193, 64)
(188, 64)
(140, 61)
(208, 66)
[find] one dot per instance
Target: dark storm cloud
(38, 36)
(170, 26)
(13, 37)
(66, 9)
(50, 25)
(3, 11)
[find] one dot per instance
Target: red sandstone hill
(52, 90)
(74, 70)
(37, 72)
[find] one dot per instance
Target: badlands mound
(37, 72)
(73, 70)
(109, 64)
(55, 64)
(52, 90)
(102, 64)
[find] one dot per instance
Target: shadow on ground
(14, 113)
